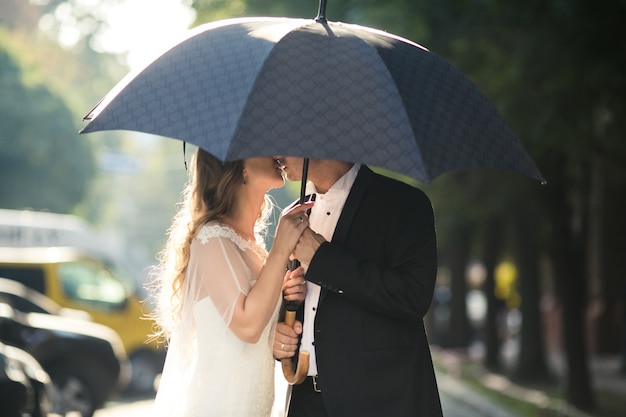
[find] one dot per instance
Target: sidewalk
(458, 390)
(141, 408)
(605, 378)
(605, 373)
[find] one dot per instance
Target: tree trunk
(609, 320)
(614, 279)
(572, 292)
(491, 245)
(531, 365)
(459, 333)
(568, 255)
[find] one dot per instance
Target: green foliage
(43, 163)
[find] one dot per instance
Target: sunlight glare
(142, 28)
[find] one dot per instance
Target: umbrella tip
(321, 12)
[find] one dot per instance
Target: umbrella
(248, 87)
(312, 88)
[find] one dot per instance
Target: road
(451, 408)
(456, 400)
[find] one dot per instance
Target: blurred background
(531, 283)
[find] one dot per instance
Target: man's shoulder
(388, 185)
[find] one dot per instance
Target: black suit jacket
(377, 276)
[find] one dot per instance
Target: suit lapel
(353, 202)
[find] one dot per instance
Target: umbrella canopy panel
(196, 90)
(325, 93)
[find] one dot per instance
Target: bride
(218, 290)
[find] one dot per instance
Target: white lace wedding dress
(208, 370)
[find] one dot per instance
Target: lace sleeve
(218, 270)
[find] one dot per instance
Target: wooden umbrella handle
(297, 377)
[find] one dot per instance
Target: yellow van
(78, 276)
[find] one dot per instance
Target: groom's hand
(286, 340)
(307, 245)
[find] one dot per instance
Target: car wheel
(145, 368)
(75, 389)
(44, 397)
(13, 397)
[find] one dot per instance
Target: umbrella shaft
(321, 12)
(305, 171)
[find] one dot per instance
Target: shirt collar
(343, 184)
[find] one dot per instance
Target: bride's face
(263, 172)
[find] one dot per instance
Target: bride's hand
(290, 227)
(294, 286)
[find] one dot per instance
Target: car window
(32, 277)
(22, 304)
(90, 284)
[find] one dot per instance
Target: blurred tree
(39, 145)
(16, 15)
(557, 72)
(456, 230)
(492, 246)
(524, 241)
(46, 90)
(456, 254)
(51, 89)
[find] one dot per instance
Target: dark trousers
(305, 402)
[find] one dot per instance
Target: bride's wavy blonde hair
(210, 194)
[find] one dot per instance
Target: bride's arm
(253, 311)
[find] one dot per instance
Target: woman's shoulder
(215, 229)
(218, 230)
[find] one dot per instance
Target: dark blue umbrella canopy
(316, 89)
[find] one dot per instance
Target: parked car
(27, 300)
(25, 388)
(86, 361)
(80, 280)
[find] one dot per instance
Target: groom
(371, 261)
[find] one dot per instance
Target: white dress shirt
(323, 220)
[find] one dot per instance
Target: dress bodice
(209, 371)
